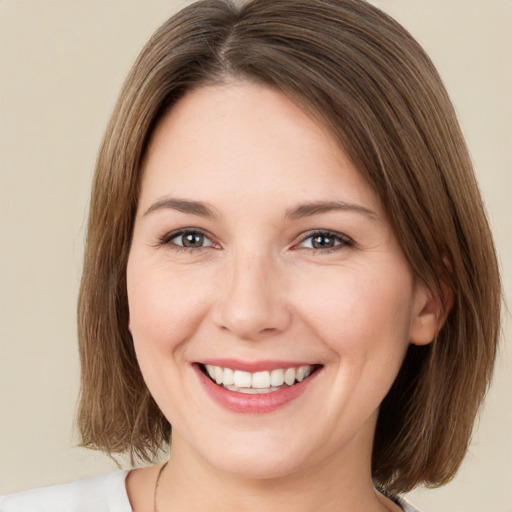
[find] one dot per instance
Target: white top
(99, 494)
(105, 493)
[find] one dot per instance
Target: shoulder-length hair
(360, 73)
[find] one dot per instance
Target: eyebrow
(182, 205)
(299, 212)
(315, 208)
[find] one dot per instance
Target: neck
(189, 483)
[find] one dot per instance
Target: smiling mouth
(257, 383)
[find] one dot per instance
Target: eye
(325, 240)
(187, 239)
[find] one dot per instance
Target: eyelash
(341, 240)
(166, 240)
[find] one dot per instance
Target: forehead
(243, 140)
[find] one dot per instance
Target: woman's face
(258, 249)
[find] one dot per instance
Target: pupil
(322, 241)
(193, 240)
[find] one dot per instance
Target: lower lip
(253, 404)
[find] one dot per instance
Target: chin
(258, 468)
(257, 457)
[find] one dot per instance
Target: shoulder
(105, 493)
(399, 500)
(406, 507)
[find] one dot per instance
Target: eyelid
(167, 238)
(344, 240)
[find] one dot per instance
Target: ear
(430, 313)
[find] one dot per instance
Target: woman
(288, 262)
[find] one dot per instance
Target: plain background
(61, 67)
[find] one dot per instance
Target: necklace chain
(155, 508)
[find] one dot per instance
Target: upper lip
(254, 366)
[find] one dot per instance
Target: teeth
(253, 391)
(211, 371)
(277, 378)
(241, 379)
(289, 376)
(228, 379)
(257, 382)
(260, 380)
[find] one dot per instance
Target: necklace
(155, 508)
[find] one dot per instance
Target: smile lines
(257, 382)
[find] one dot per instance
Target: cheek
(165, 306)
(359, 315)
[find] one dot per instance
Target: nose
(251, 300)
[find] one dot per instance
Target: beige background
(61, 67)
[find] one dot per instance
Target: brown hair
(368, 80)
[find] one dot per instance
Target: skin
(258, 290)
